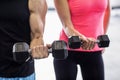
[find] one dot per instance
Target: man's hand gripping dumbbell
(22, 52)
(75, 42)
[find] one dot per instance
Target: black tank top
(14, 27)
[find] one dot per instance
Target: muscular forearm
(38, 9)
(37, 26)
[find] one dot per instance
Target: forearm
(63, 12)
(37, 26)
(64, 15)
(38, 9)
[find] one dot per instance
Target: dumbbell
(75, 42)
(22, 52)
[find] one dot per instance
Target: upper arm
(108, 6)
(38, 7)
(62, 7)
(63, 12)
(107, 17)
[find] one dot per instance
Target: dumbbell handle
(97, 41)
(50, 50)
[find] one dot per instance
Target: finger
(84, 46)
(37, 52)
(46, 51)
(43, 51)
(91, 44)
(32, 51)
(87, 45)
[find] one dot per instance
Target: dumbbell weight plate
(59, 50)
(20, 52)
(74, 42)
(103, 41)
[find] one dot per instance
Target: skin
(107, 18)
(88, 42)
(38, 9)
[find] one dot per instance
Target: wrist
(36, 36)
(69, 32)
(37, 41)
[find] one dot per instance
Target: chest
(87, 5)
(11, 9)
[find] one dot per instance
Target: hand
(38, 49)
(88, 43)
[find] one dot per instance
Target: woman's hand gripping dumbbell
(75, 41)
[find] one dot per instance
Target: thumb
(49, 45)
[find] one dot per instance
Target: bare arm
(38, 9)
(65, 17)
(106, 18)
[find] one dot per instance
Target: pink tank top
(87, 17)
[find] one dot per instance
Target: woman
(21, 21)
(87, 19)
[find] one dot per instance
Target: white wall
(115, 2)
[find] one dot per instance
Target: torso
(87, 17)
(14, 27)
(14, 9)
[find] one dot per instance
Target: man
(21, 21)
